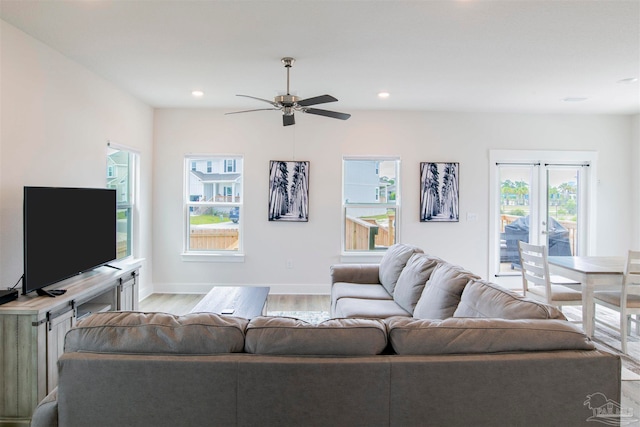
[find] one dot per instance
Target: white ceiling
(438, 55)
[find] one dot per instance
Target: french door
(541, 198)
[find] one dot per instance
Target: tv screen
(67, 231)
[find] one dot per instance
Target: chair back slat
(535, 270)
(631, 282)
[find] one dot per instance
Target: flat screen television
(67, 231)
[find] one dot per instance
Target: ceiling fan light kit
(289, 104)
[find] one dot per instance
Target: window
(213, 205)
(230, 165)
(371, 203)
(121, 176)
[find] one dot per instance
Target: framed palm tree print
(439, 192)
(288, 191)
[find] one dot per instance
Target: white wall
(415, 136)
(56, 119)
(634, 159)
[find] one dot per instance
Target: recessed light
(383, 95)
(197, 93)
(628, 81)
(574, 99)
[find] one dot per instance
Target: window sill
(212, 257)
(361, 257)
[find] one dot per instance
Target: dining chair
(626, 301)
(536, 280)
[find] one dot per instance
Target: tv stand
(51, 293)
(112, 266)
(33, 327)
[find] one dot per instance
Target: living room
(59, 112)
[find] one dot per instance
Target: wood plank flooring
(180, 304)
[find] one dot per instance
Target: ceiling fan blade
(288, 120)
(322, 99)
(327, 113)
(249, 111)
(275, 104)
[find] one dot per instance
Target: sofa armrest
(46, 413)
(355, 273)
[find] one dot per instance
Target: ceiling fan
(289, 104)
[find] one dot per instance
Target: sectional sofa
(475, 354)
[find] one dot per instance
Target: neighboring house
(118, 173)
(218, 180)
(362, 181)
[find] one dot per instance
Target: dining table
(595, 273)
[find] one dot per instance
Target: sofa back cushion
(486, 299)
(412, 279)
(393, 262)
(148, 333)
(336, 337)
(462, 336)
(442, 292)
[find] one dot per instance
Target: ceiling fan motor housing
(286, 100)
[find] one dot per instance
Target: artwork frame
(439, 192)
(288, 191)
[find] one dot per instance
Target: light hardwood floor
(180, 304)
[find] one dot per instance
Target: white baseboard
(203, 288)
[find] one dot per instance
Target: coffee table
(241, 301)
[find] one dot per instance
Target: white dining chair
(536, 280)
(626, 301)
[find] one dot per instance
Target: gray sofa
(498, 359)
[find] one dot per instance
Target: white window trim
(210, 256)
(134, 182)
(369, 256)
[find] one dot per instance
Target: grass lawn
(207, 219)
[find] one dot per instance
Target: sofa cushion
(145, 333)
(485, 299)
(392, 263)
(341, 290)
(338, 337)
(368, 308)
(412, 279)
(355, 290)
(459, 336)
(442, 292)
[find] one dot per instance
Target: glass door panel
(515, 209)
(562, 218)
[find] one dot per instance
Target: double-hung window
(121, 176)
(213, 204)
(370, 203)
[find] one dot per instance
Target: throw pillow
(486, 299)
(412, 280)
(393, 262)
(442, 292)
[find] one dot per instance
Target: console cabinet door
(128, 295)
(57, 328)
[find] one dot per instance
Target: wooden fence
(367, 234)
(216, 238)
